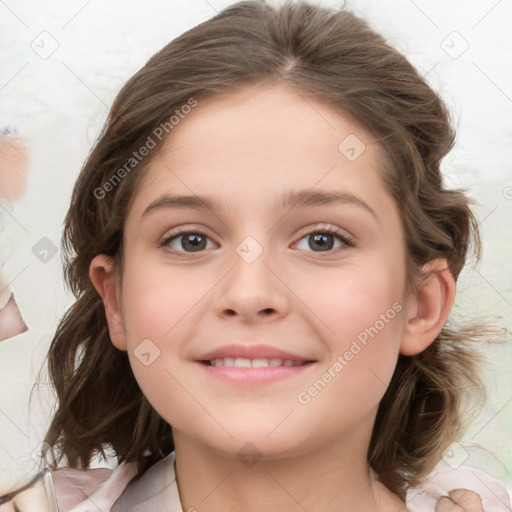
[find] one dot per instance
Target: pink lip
(250, 352)
(253, 375)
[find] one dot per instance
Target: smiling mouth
(241, 362)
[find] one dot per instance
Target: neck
(330, 478)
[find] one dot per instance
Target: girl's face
(270, 260)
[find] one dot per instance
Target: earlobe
(104, 279)
(428, 308)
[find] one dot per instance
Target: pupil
(197, 242)
(323, 244)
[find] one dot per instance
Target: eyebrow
(289, 200)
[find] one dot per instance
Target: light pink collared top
(106, 490)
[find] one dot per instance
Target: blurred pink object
(11, 322)
(14, 164)
(95, 489)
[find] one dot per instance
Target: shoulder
(77, 491)
(494, 493)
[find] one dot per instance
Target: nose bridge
(252, 285)
(251, 262)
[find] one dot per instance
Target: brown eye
(185, 242)
(324, 240)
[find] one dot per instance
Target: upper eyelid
(180, 230)
(327, 227)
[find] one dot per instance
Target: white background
(60, 103)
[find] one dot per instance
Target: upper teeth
(241, 362)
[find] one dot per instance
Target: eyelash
(347, 241)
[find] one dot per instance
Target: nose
(252, 290)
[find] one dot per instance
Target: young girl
(264, 260)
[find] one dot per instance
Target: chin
(254, 445)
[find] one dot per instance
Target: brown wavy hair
(327, 55)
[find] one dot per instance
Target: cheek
(354, 297)
(157, 300)
(361, 323)
(155, 316)
(158, 311)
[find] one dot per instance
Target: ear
(105, 280)
(428, 308)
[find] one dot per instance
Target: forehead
(264, 120)
(260, 140)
